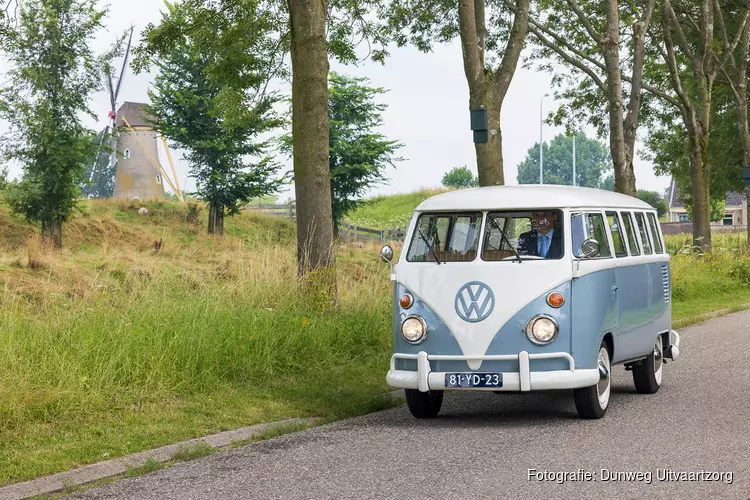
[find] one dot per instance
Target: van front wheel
(592, 402)
(424, 404)
(647, 374)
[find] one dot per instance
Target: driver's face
(543, 221)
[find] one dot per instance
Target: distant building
(136, 176)
(735, 211)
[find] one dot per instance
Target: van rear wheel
(647, 375)
(592, 402)
(424, 404)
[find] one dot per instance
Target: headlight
(414, 329)
(542, 329)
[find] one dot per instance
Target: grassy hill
(390, 212)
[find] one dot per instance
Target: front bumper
(673, 350)
(425, 379)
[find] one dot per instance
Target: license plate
(474, 379)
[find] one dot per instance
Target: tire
(424, 404)
(592, 402)
(648, 374)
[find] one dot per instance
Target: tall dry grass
(111, 321)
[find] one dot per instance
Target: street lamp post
(541, 143)
(574, 159)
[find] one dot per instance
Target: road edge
(92, 473)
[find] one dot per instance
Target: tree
(655, 199)
(736, 78)
(8, 13)
(668, 150)
(225, 156)
(99, 177)
(460, 178)
(588, 38)
(53, 75)
(593, 163)
(3, 179)
(358, 154)
(489, 68)
(299, 27)
(690, 60)
(310, 140)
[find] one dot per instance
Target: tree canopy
(359, 154)
(460, 178)
(226, 158)
(99, 177)
(593, 163)
(52, 78)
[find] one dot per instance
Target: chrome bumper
(673, 351)
(424, 379)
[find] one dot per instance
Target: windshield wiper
(429, 245)
(493, 221)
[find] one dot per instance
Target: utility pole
(574, 159)
(541, 141)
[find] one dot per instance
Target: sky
(427, 110)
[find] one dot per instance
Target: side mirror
(589, 248)
(386, 254)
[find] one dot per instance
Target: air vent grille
(665, 282)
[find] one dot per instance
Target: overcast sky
(427, 108)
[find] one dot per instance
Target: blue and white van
(527, 288)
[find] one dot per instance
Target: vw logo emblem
(474, 302)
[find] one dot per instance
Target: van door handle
(614, 289)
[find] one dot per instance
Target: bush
(460, 177)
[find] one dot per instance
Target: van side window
(627, 221)
(617, 238)
(590, 225)
(642, 230)
(655, 232)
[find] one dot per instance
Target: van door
(595, 286)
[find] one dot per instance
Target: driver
(543, 240)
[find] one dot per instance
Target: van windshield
(449, 237)
(534, 234)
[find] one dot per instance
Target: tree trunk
(695, 111)
(216, 219)
(742, 112)
(52, 233)
(745, 138)
(624, 175)
(487, 89)
(701, 189)
(489, 154)
(312, 180)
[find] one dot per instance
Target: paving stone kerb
(103, 470)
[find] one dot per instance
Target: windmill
(133, 159)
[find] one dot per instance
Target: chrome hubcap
(658, 361)
(605, 380)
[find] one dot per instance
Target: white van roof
(527, 196)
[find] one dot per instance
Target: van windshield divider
(502, 235)
(429, 245)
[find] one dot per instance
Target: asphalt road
(482, 445)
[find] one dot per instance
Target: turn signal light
(406, 301)
(555, 299)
